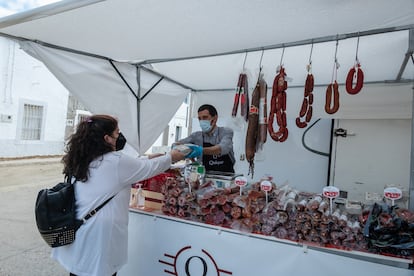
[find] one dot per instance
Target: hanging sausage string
(332, 91)
(356, 75)
(278, 105)
(306, 109)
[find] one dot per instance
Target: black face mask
(120, 142)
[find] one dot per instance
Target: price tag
(240, 181)
(266, 186)
(392, 193)
(330, 192)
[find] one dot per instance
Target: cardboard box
(153, 200)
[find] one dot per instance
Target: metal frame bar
(402, 81)
(409, 53)
(123, 79)
(152, 88)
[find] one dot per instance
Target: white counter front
(162, 245)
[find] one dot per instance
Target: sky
(8, 7)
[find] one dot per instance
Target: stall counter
(165, 245)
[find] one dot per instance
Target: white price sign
(330, 192)
(392, 193)
(266, 186)
(240, 181)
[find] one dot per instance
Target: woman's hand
(176, 155)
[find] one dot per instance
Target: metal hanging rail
(288, 44)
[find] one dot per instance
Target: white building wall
(180, 119)
(25, 80)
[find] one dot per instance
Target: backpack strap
(93, 212)
(68, 179)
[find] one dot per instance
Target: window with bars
(32, 122)
(178, 133)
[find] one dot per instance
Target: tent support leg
(411, 188)
(138, 69)
(409, 54)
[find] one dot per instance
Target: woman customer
(101, 171)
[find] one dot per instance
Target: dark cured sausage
(359, 74)
(253, 128)
(241, 95)
(278, 108)
(306, 108)
(332, 89)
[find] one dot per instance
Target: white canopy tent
(139, 59)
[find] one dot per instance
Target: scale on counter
(221, 179)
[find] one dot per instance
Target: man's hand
(196, 151)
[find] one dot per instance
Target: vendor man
(216, 142)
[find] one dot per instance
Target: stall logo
(189, 262)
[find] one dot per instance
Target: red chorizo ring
(278, 107)
(309, 114)
(359, 74)
(310, 98)
(309, 83)
(304, 107)
(279, 118)
(300, 124)
(283, 100)
(283, 119)
(332, 89)
(281, 82)
(284, 134)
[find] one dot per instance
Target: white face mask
(205, 125)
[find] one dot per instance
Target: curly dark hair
(86, 144)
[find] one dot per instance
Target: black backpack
(55, 212)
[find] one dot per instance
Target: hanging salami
(256, 128)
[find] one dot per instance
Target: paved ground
(22, 250)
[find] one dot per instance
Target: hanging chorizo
(332, 94)
(278, 108)
(306, 108)
(355, 73)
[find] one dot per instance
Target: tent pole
(409, 54)
(411, 188)
(138, 69)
